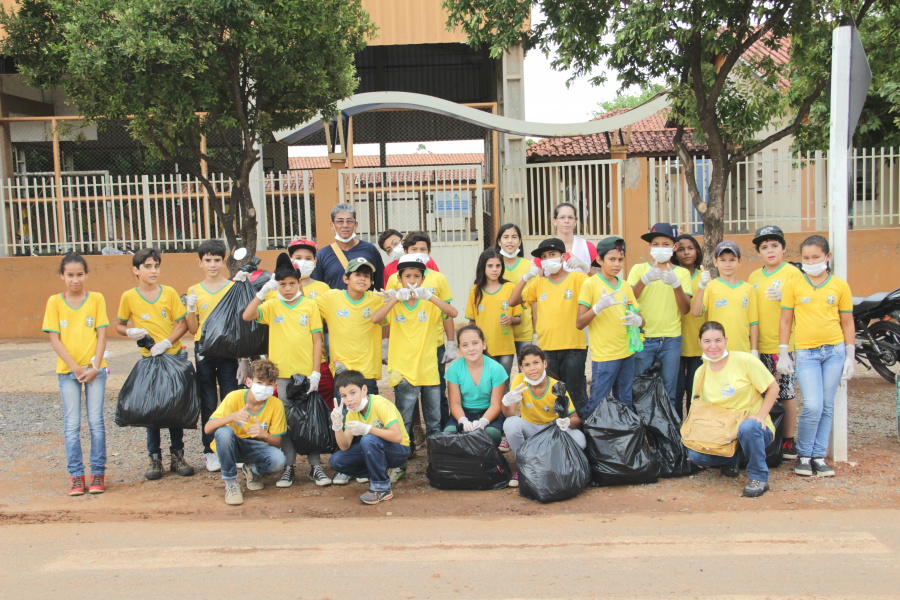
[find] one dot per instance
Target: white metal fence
(789, 190)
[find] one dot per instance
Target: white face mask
(509, 255)
(705, 357)
(816, 268)
(261, 392)
(338, 237)
(397, 253)
(661, 255)
(305, 267)
(535, 381)
(552, 265)
(362, 404)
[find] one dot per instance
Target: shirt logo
(279, 319)
(162, 313)
(343, 313)
(432, 290)
(400, 319)
(542, 298)
(805, 300)
(63, 324)
(264, 425)
(313, 294)
(378, 424)
(304, 320)
(728, 391)
(546, 408)
(830, 300)
(754, 285)
(504, 305)
(367, 312)
(480, 307)
(203, 306)
(721, 303)
(568, 294)
(527, 405)
(145, 317)
(89, 322)
(422, 316)
(745, 302)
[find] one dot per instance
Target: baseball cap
(356, 264)
(301, 243)
(768, 232)
(610, 243)
(415, 261)
(729, 246)
(549, 244)
(660, 229)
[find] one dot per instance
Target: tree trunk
(240, 193)
(714, 216)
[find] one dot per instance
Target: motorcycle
(877, 320)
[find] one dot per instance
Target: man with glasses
(332, 260)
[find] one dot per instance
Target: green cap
(359, 263)
(610, 243)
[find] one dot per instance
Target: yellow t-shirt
(735, 308)
(412, 352)
(77, 327)
(658, 307)
(312, 291)
(157, 316)
(487, 316)
(524, 331)
(606, 334)
(817, 319)
(439, 286)
(270, 417)
(539, 411)
(291, 329)
(380, 413)
(690, 325)
(206, 303)
(557, 310)
(770, 310)
(354, 340)
(739, 386)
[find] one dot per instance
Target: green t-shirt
(476, 397)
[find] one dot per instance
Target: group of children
(542, 314)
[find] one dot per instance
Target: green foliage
(629, 100)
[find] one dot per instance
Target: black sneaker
(287, 477)
(731, 470)
(788, 450)
(804, 467)
(821, 468)
(318, 475)
(155, 470)
(178, 465)
(755, 489)
(373, 497)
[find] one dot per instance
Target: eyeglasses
(345, 222)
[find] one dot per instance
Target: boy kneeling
(253, 435)
(372, 438)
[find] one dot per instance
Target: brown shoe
(178, 465)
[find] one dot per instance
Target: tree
(699, 49)
(186, 68)
(629, 100)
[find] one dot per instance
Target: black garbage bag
(308, 419)
(226, 334)
(616, 448)
(466, 461)
(159, 392)
(773, 450)
(661, 423)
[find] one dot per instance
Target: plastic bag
(661, 423)
(773, 450)
(159, 392)
(616, 448)
(308, 419)
(466, 461)
(225, 333)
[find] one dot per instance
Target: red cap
(301, 243)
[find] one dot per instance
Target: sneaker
(155, 470)
(77, 486)
(212, 462)
(318, 475)
(504, 445)
(396, 475)
(373, 497)
(363, 479)
(788, 450)
(804, 466)
(254, 481)
(821, 468)
(755, 489)
(285, 481)
(178, 465)
(341, 479)
(514, 482)
(98, 484)
(731, 470)
(233, 495)
(419, 435)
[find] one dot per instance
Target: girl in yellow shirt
(509, 245)
(688, 254)
(489, 308)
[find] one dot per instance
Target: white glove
(605, 301)
(785, 365)
(243, 370)
(358, 428)
(755, 353)
(339, 367)
(654, 274)
(563, 423)
(466, 424)
(849, 362)
(384, 350)
(105, 356)
(514, 396)
(450, 352)
(422, 293)
(270, 286)
(705, 278)
(671, 279)
(241, 276)
(192, 302)
(136, 333)
(534, 339)
(314, 381)
(404, 295)
(386, 295)
(630, 318)
(774, 293)
(160, 347)
(480, 424)
(337, 415)
(532, 272)
(577, 264)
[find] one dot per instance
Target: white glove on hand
(339, 367)
(705, 278)
(384, 351)
(755, 353)
(450, 352)
(631, 318)
(466, 424)
(404, 295)
(774, 294)
(532, 272)
(337, 415)
(160, 347)
(671, 279)
(314, 382)
(270, 286)
(534, 339)
(241, 276)
(422, 293)
(480, 424)
(386, 295)
(576, 263)
(514, 396)
(654, 274)
(785, 365)
(358, 428)
(605, 301)
(136, 333)
(849, 362)
(563, 423)
(192, 302)
(243, 370)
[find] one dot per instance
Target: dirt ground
(32, 467)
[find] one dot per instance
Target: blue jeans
(819, 375)
(686, 370)
(371, 457)
(569, 368)
(616, 376)
(232, 449)
(493, 429)
(753, 439)
(405, 398)
(94, 394)
(666, 350)
(216, 377)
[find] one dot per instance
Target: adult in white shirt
(580, 254)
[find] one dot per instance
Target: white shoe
(341, 479)
(212, 462)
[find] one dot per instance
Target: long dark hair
(72, 257)
(699, 260)
(502, 230)
(481, 273)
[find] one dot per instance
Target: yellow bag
(710, 428)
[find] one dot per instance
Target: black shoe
(155, 470)
(789, 450)
(755, 489)
(177, 464)
(804, 467)
(821, 468)
(731, 470)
